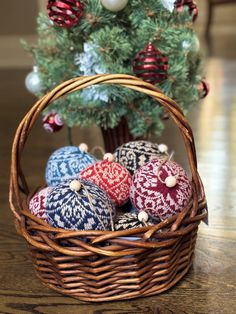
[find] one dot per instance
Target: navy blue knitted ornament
(66, 163)
(84, 208)
(133, 155)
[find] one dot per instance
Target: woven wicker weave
(105, 265)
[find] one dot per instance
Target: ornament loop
(170, 181)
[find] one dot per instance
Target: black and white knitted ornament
(80, 205)
(135, 154)
(133, 220)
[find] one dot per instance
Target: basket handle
(18, 182)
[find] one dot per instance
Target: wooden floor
(210, 285)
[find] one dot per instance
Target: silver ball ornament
(191, 44)
(114, 5)
(33, 82)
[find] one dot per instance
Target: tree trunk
(116, 136)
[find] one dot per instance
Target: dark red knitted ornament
(204, 88)
(151, 65)
(65, 13)
(161, 188)
(193, 9)
(52, 122)
(112, 178)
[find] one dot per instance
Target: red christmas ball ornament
(65, 13)
(204, 88)
(193, 9)
(151, 65)
(52, 122)
(111, 177)
(161, 188)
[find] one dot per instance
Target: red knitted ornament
(65, 13)
(150, 193)
(111, 177)
(151, 65)
(37, 204)
(193, 9)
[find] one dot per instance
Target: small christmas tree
(152, 39)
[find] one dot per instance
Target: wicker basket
(107, 265)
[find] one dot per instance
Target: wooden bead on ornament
(135, 154)
(133, 221)
(37, 204)
(83, 147)
(65, 13)
(111, 177)
(80, 205)
(66, 163)
(151, 65)
(161, 188)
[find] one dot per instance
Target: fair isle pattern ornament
(86, 208)
(161, 188)
(111, 177)
(135, 154)
(66, 163)
(132, 221)
(37, 204)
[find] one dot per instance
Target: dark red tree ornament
(151, 65)
(52, 122)
(193, 9)
(204, 88)
(65, 13)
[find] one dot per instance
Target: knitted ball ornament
(37, 204)
(134, 155)
(158, 196)
(88, 208)
(111, 177)
(66, 163)
(131, 221)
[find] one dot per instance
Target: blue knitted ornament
(66, 163)
(133, 155)
(80, 205)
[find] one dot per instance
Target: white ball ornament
(33, 82)
(75, 185)
(83, 147)
(170, 181)
(108, 157)
(143, 216)
(114, 5)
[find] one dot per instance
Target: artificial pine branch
(107, 42)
